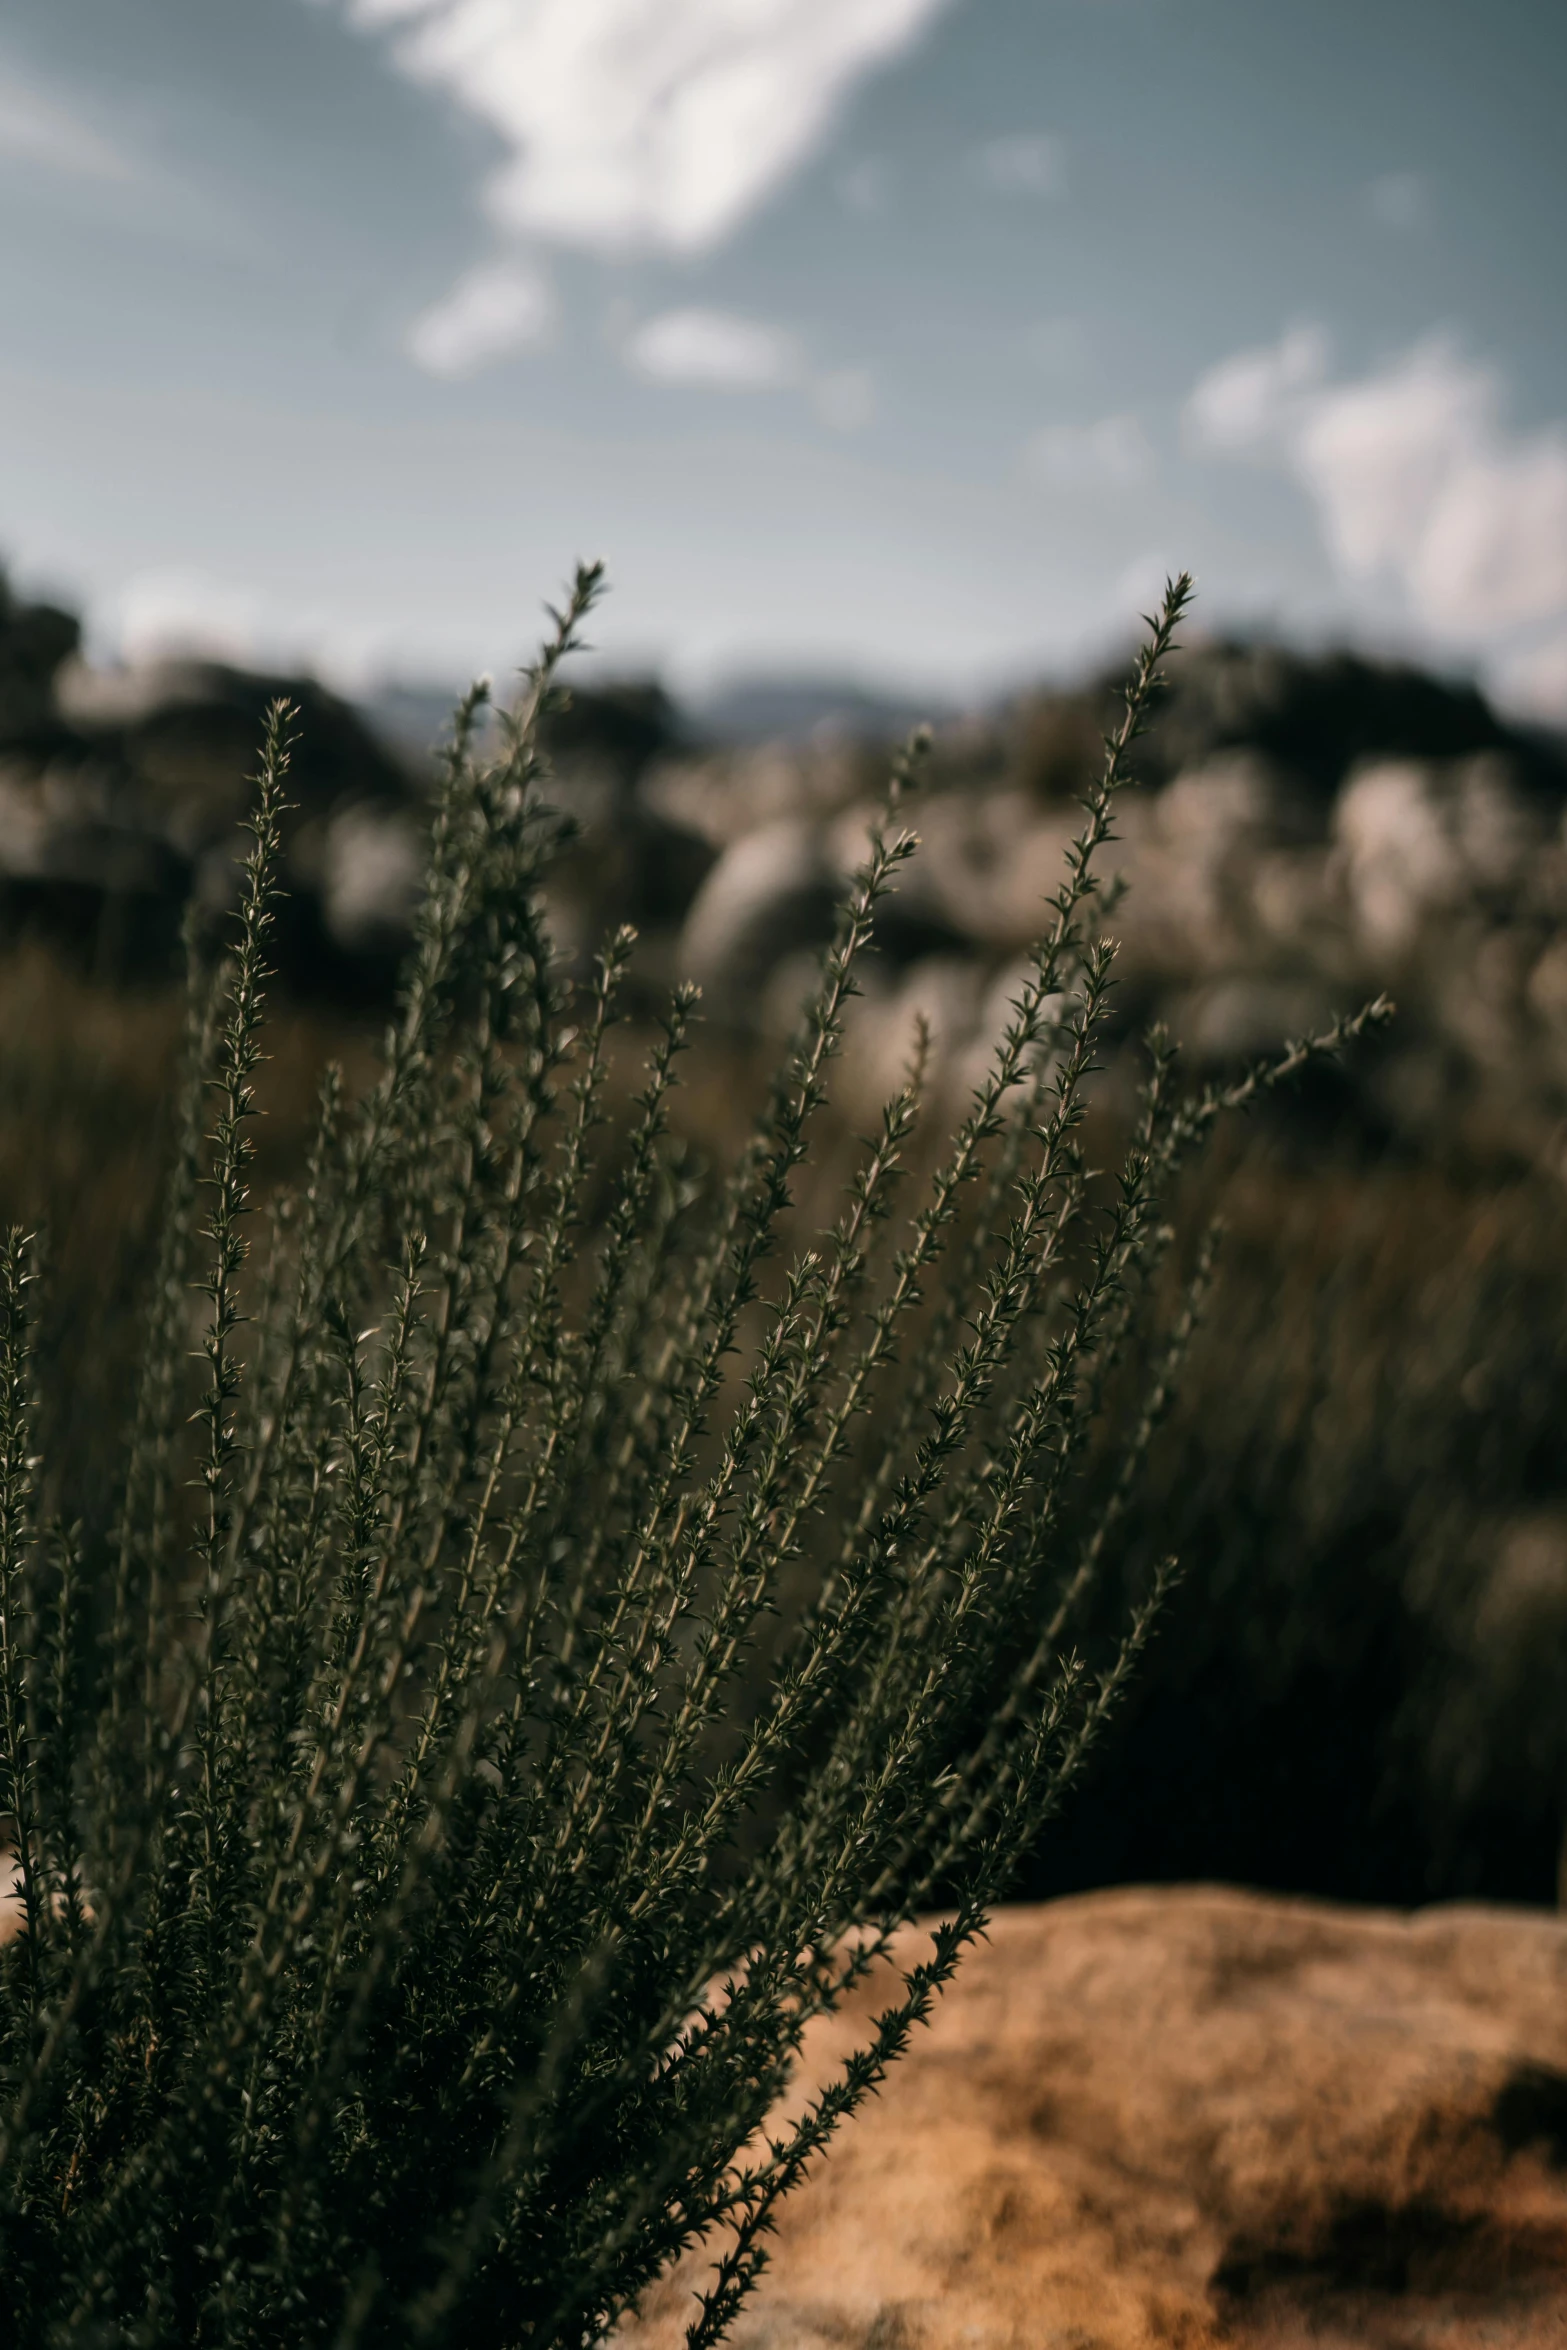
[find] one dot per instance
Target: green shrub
(403, 1959)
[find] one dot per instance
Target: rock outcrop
(1194, 2118)
(1311, 833)
(123, 794)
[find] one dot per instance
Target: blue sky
(913, 338)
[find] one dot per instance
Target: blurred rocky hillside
(1359, 1693)
(123, 794)
(1311, 831)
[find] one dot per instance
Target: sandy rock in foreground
(1196, 2117)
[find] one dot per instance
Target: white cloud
(1111, 454)
(500, 307)
(1032, 163)
(714, 350)
(36, 130)
(1535, 681)
(1250, 404)
(160, 614)
(1416, 479)
(176, 613)
(644, 123)
(1379, 455)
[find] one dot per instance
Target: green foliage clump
(418, 1921)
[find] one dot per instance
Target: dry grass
(1358, 1693)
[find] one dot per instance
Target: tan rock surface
(1196, 2117)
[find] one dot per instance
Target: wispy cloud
(844, 398)
(1030, 163)
(498, 308)
(1415, 476)
(59, 147)
(632, 125)
(1113, 453)
(866, 186)
(1399, 200)
(41, 132)
(715, 350)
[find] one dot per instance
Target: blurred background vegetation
(1357, 1691)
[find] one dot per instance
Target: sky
(908, 340)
